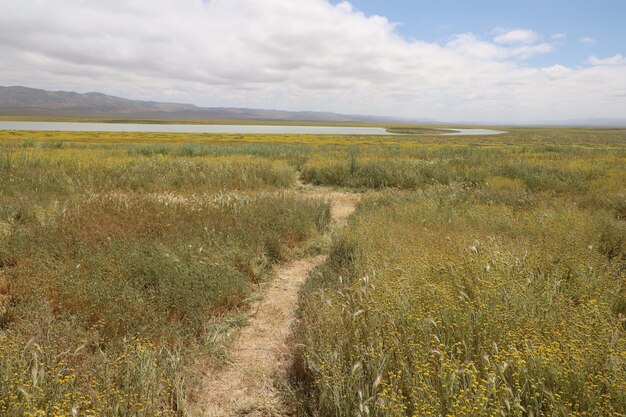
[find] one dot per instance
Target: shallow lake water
(473, 132)
(241, 129)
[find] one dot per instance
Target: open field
(119, 269)
(490, 281)
(479, 276)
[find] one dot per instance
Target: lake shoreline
(227, 129)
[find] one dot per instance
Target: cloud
(305, 55)
(559, 36)
(517, 36)
(471, 45)
(616, 60)
(588, 40)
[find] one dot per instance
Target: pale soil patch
(342, 204)
(260, 355)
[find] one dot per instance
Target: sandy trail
(246, 387)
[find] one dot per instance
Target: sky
(587, 27)
(492, 61)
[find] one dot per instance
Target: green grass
(490, 282)
(119, 270)
(480, 276)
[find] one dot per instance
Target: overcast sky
(399, 58)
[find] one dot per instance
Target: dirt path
(260, 354)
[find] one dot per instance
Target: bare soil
(260, 355)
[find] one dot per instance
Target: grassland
(480, 276)
(119, 268)
(480, 281)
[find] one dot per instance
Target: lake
(473, 132)
(241, 129)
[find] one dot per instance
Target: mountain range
(21, 101)
(24, 101)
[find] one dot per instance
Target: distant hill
(24, 101)
(590, 122)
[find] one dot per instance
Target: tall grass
(413, 169)
(75, 171)
(483, 276)
(388, 173)
(117, 271)
(442, 303)
(490, 283)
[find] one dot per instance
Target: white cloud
(304, 55)
(559, 36)
(517, 36)
(588, 40)
(471, 45)
(613, 60)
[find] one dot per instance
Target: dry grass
(117, 270)
(485, 276)
(502, 295)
